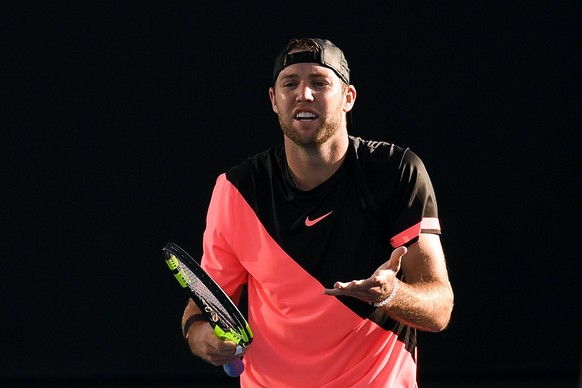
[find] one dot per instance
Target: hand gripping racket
(224, 317)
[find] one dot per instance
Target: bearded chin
(322, 135)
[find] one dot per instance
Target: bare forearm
(425, 306)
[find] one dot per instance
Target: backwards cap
(326, 54)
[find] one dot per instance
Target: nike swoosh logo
(309, 222)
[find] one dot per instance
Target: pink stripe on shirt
(427, 223)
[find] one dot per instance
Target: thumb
(396, 258)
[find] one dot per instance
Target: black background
(118, 116)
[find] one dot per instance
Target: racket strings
(219, 314)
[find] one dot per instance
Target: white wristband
(391, 296)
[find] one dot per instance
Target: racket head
(222, 314)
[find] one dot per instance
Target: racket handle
(235, 368)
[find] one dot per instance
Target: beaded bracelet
(391, 296)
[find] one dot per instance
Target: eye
(321, 84)
(289, 84)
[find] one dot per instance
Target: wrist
(190, 320)
(391, 296)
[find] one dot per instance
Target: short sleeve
(413, 209)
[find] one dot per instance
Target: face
(311, 102)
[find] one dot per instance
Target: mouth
(305, 116)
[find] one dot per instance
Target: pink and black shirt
(287, 245)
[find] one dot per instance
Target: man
(297, 222)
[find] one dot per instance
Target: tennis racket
(224, 317)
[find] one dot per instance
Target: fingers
(206, 345)
(352, 284)
(224, 353)
(228, 348)
(369, 289)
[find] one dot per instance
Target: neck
(311, 166)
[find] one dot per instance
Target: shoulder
(377, 158)
(258, 166)
(376, 151)
(377, 154)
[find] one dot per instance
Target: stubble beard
(329, 127)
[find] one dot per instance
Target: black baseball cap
(326, 54)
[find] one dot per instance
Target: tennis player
(336, 238)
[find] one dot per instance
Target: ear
(350, 98)
(273, 101)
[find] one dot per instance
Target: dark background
(118, 116)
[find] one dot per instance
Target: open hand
(377, 287)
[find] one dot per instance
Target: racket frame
(173, 255)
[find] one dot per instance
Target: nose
(304, 93)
